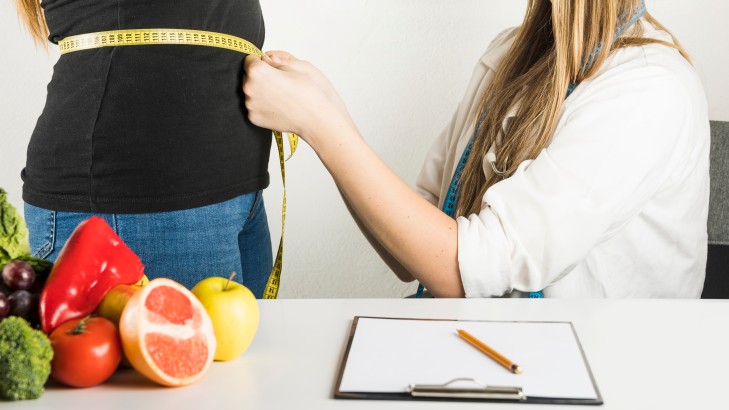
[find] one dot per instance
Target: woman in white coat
(577, 164)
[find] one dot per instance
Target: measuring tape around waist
(140, 37)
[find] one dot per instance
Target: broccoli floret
(25, 360)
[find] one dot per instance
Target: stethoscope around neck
(491, 158)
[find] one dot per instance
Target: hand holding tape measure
(283, 92)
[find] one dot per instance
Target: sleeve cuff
(483, 256)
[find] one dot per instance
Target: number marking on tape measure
(140, 37)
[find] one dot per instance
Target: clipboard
(424, 359)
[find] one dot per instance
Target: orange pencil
(485, 349)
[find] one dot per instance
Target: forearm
(415, 233)
(385, 255)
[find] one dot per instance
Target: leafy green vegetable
(25, 360)
(13, 232)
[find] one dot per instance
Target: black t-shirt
(151, 128)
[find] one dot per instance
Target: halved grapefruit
(166, 334)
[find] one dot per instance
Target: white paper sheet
(387, 355)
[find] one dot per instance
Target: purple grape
(18, 275)
(21, 304)
(4, 306)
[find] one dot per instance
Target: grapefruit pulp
(166, 334)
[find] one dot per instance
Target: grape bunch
(20, 292)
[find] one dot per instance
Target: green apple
(234, 312)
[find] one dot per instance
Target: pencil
(485, 349)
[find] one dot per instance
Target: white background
(401, 66)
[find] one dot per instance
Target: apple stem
(228, 282)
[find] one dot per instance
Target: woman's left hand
(287, 94)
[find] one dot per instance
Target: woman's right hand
(288, 94)
(281, 58)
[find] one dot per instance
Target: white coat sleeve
(614, 149)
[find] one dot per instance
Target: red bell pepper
(93, 260)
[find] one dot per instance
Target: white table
(659, 354)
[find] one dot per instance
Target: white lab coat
(615, 206)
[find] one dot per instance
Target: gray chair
(716, 285)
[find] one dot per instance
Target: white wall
(401, 65)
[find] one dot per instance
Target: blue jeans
(186, 246)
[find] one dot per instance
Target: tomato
(86, 351)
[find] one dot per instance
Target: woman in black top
(154, 139)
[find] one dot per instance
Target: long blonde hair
(549, 53)
(32, 15)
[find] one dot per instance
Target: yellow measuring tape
(139, 37)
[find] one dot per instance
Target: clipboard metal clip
(479, 391)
